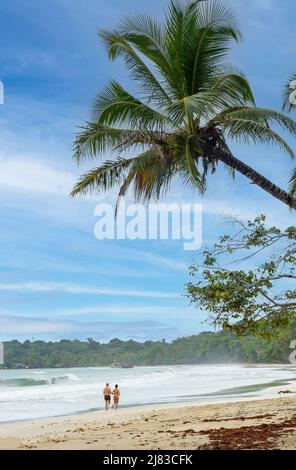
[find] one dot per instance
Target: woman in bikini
(116, 395)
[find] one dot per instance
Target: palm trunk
(254, 176)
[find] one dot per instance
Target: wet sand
(251, 424)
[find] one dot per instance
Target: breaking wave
(31, 381)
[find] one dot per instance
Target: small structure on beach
(118, 365)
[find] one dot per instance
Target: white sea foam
(29, 394)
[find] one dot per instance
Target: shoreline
(171, 426)
(257, 391)
(206, 364)
(264, 411)
(139, 407)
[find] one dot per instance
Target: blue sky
(57, 280)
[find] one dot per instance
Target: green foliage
(189, 103)
(205, 348)
(260, 299)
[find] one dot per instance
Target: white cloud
(28, 326)
(12, 327)
(276, 212)
(125, 309)
(76, 289)
(30, 175)
(160, 260)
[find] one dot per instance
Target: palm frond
(119, 46)
(124, 188)
(146, 35)
(193, 171)
(103, 178)
(197, 39)
(245, 130)
(96, 139)
(114, 106)
(234, 85)
(153, 175)
(262, 115)
(292, 183)
(289, 94)
(216, 12)
(226, 92)
(149, 176)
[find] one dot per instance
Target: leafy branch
(258, 299)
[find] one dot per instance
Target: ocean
(38, 393)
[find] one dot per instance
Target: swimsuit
(116, 395)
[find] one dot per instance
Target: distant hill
(204, 348)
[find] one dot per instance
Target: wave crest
(32, 381)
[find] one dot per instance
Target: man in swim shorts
(107, 396)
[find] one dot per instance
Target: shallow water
(31, 394)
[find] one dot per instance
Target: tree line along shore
(204, 348)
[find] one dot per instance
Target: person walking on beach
(116, 395)
(107, 396)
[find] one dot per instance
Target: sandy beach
(252, 424)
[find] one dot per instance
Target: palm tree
(289, 104)
(188, 104)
